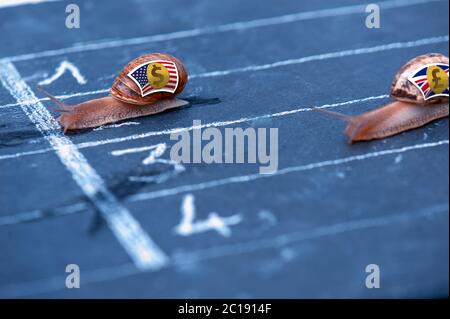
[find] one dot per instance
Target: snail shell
(125, 100)
(126, 90)
(403, 90)
(409, 109)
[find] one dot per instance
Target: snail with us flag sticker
(147, 85)
(420, 90)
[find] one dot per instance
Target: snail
(147, 85)
(409, 110)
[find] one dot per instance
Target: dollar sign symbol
(161, 77)
(157, 75)
(435, 77)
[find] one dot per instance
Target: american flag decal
(421, 79)
(155, 76)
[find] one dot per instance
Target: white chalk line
(37, 287)
(320, 57)
(21, 217)
(37, 214)
(262, 67)
(135, 150)
(190, 128)
(326, 56)
(293, 169)
(144, 253)
(15, 3)
(61, 97)
(224, 123)
(101, 128)
(236, 26)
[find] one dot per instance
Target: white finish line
(142, 250)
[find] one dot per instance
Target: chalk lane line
(276, 64)
(15, 3)
(236, 26)
(71, 209)
(180, 259)
(283, 171)
(142, 250)
(190, 128)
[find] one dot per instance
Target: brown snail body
(409, 110)
(125, 100)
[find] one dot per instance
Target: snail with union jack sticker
(420, 90)
(147, 85)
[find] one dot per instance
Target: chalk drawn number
(188, 226)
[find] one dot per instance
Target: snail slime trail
(250, 145)
(420, 94)
(147, 85)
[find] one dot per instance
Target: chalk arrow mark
(65, 65)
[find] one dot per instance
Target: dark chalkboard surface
(143, 228)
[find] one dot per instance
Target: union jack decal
(421, 80)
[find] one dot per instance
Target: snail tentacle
(129, 96)
(62, 107)
(409, 109)
(338, 115)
